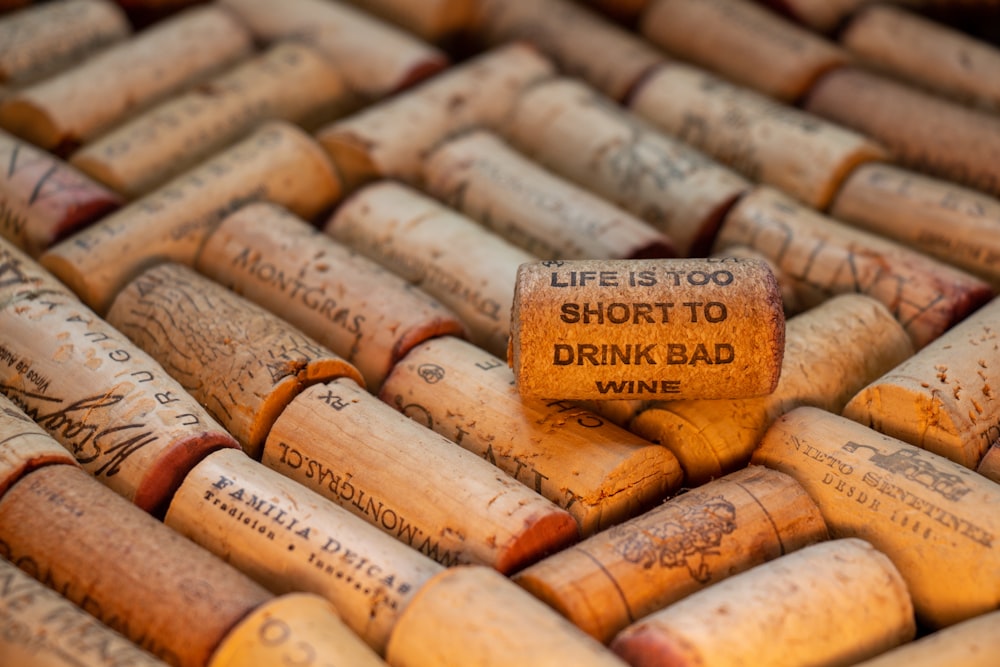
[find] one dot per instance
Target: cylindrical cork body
(772, 612)
(831, 352)
(973, 643)
(473, 616)
(432, 20)
(80, 103)
(411, 482)
(244, 364)
(743, 41)
(484, 178)
(765, 140)
(821, 257)
(277, 163)
(289, 538)
(931, 516)
(989, 465)
(43, 199)
(464, 266)
(821, 15)
(289, 82)
(690, 542)
(130, 571)
(24, 445)
(673, 328)
(598, 472)
(585, 137)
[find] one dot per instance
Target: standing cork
(831, 352)
(765, 140)
(973, 643)
(822, 257)
(681, 328)
(468, 395)
(688, 543)
(24, 445)
(121, 565)
(278, 163)
(436, 21)
(75, 106)
(464, 266)
(368, 315)
(412, 483)
(931, 516)
(828, 604)
(585, 137)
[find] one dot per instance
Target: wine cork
(412, 483)
(24, 446)
(772, 612)
(623, 11)
(77, 105)
(831, 352)
(290, 82)
(289, 538)
(822, 257)
(823, 16)
(464, 266)
(445, 384)
(972, 643)
(928, 514)
(989, 466)
(242, 363)
(583, 136)
(921, 131)
(435, 21)
(676, 328)
(486, 179)
(121, 565)
(43, 199)
(41, 628)
(763, 139)
(694, 540)
(294, 629)
(473, 616)
(374, 58)
(391, 137)
(346, 302)
(788, 298)
(744, 42)
(277, 163)
(954, 224)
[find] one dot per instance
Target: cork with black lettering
(24, 445)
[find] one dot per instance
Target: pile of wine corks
(480, 332)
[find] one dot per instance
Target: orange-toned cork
(952, 223)
(673, 328)
(828, 604)
(822, 257)
(585, 137)
(294, 629)
(244, 364)
(433, 20)
(989, 466)
(473, 616)
(688, 543)
(365, 313)
(599, 473)
(40, 628)
(788, 298)
(43, 199)
(75, 106)
(921, 130)
(831, 352)
(289, 82)
(931, 516)
(765, 140)
(486, 179)
(132, 573)
(289, 538)
(24, 445)
(458, 262)
(823, 16)
(392, 137)
(972, 643)
(743, 41)
(278, 163)
(424, 490)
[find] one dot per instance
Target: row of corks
(208, 344)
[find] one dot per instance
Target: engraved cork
(598, 472)
(772, 612)
(676, 328)
(688, 543)
(930, 515)
(424, 490)
(972, 643)
(24, 445)
(278, 163)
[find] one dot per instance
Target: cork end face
(102, 172)
(543, 534)
(424, 69)
(23, 118)
(166, 474)
(644, 647)
(351, 155)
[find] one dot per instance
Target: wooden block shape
(972, 643)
